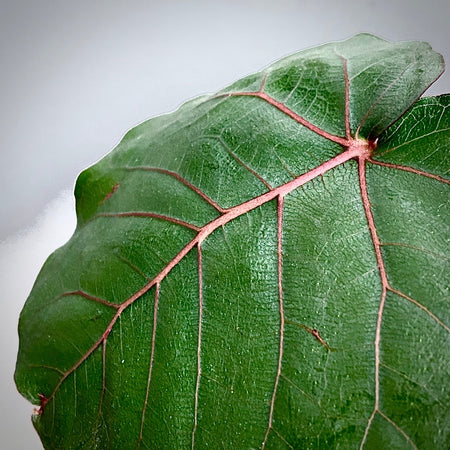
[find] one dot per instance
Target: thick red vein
(384, 286)
(199, 341)
(281, 310)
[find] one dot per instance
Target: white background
(76, 75)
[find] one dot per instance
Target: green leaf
(266, 267)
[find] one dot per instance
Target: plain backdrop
(76, 75)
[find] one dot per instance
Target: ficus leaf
(266, 267)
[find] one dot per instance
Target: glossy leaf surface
(266, 267)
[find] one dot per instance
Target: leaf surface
(266, 267)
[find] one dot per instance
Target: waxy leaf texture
(266, 267)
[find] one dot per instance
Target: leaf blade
(179, 237)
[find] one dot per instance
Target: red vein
(184, 181)
(283, 108)
(150, 215)
(253, 172)
(80, 293)
(409, 169)
(384, 283)
(281, 306)
(199, 343)
(249, 205)
(152, 357)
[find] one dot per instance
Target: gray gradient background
(76, 75)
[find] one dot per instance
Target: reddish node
(43, 401)
(363, 147)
